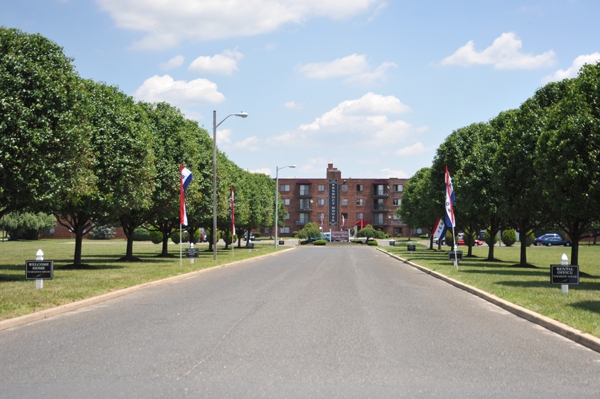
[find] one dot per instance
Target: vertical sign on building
(333, 203)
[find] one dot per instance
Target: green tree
(174, 144)
(40, 143)
(110, 178)
(27, 225)
(453, 153)
(310, 230)
(419, 207)
(568, 155)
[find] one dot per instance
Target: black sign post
(191, 252)
(39, 269)
(564, 275)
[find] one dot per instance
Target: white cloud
(368, 113)
(270, 46)
(174, 62)
(369, 123)
(387, 172)
(264, 171)
(315, 165)
(573, 70)
(251, 144)
(504, 53)
(355, 67)
(179, 92)
(224, 136)
(414, 150)
(222, 64)
(293, 105)
(167, 23)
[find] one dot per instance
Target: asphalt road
(313, 322)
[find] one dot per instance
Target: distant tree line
(91, 155)
(528, 168)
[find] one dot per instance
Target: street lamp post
(215, 126)
(277, 199)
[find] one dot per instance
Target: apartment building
(336, 203)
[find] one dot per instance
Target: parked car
(538, 241)
(477, 243)
(553, 241)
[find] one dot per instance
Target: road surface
(313, 322)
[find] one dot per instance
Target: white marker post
(192, 258)
(39, 283)
(564, 261)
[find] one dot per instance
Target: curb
(69, 307)
(585, 339)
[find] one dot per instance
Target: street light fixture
(215, 126)
(277, 199)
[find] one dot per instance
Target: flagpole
(180, 250)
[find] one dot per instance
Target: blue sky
(372, 86)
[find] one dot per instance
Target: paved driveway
(313, 322)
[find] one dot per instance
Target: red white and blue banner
(185, 177)
(450, 198)
(343, 222)
(231, 202)
(439, 230)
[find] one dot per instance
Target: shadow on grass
(511, 272)
(583, 285)
(592, 306)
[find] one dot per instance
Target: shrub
(509, 237)
(356, 241)
(141, 234)
(320, 242)
(195, 236)
(256, 235)
(156, 236)
(489, 240)
(529, 239)
(372, 243)
(175, 237)
(27, 225)
(102, 233)
(449, 239)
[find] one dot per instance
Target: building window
(304, 189)
(303, 218)
(286, 201)
(397, 202)
(395, 217)
(321, 187)
(359, 216)
(378, 218)
(359, 201)
(360, 187)
(398, 188)
(284, 187)
(304, 203)
(379, 190)
(321, 201)
(284, 230)
(321, 217)
(397, 231)
(344, 187)
(378, 204)
(287, 216)
(344, 201)
(417, 231)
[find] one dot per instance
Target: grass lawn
(527, 287)
(19, 296)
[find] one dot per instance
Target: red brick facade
(372, 201)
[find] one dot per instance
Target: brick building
(336, 200)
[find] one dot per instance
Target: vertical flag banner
(450, 198)
(231, 202)
(185, 177)
(439, 230)
(343, 223)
